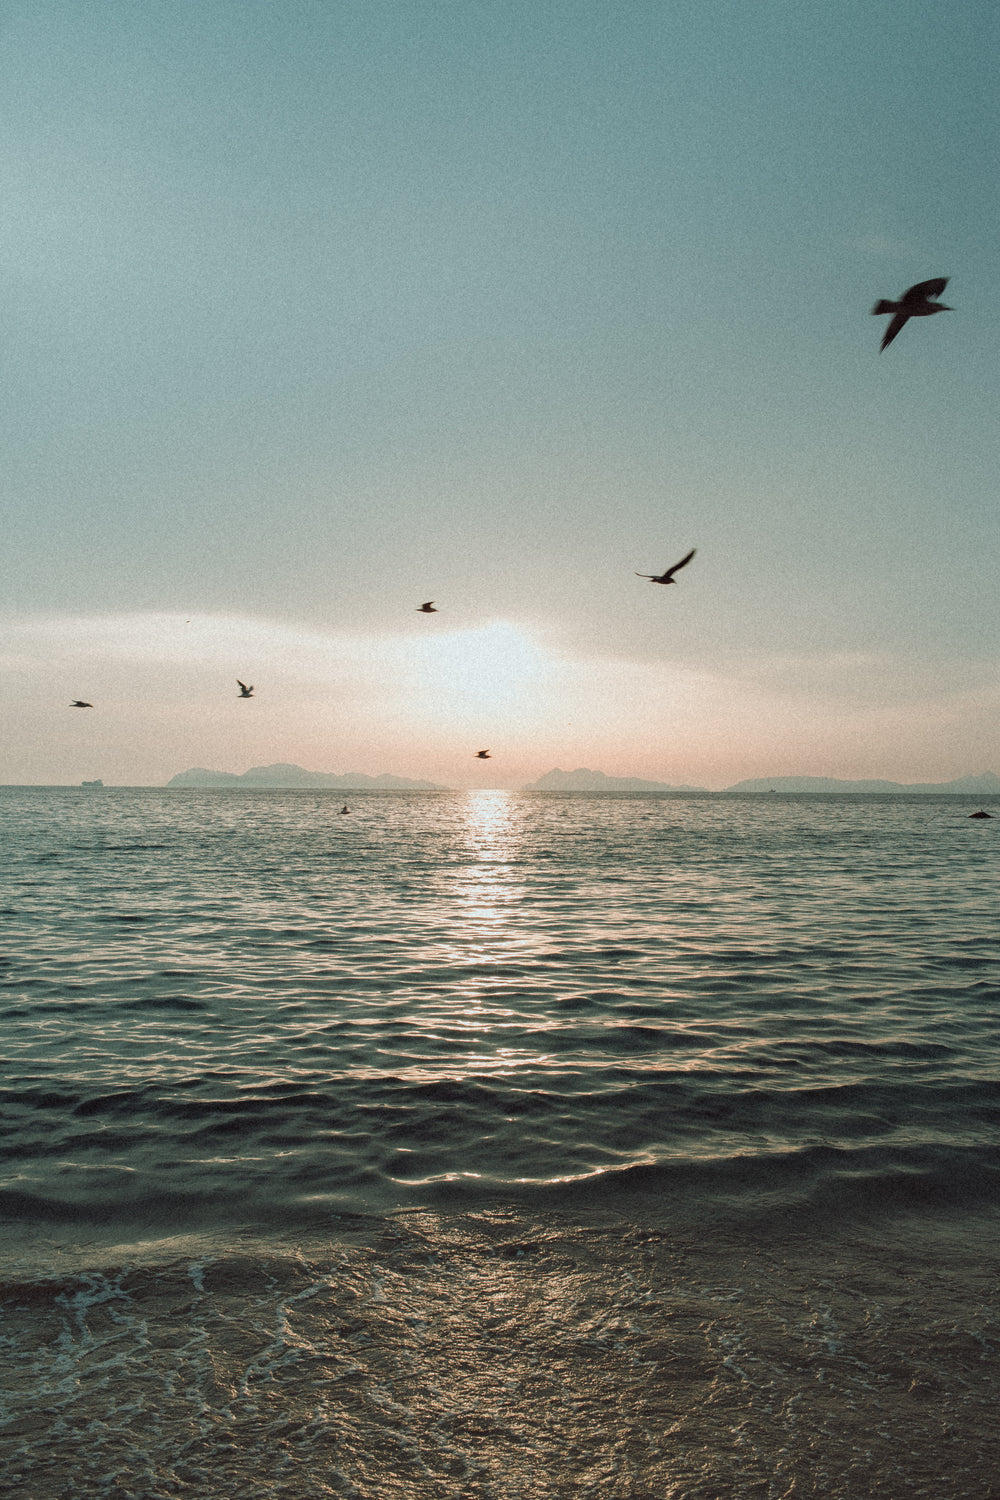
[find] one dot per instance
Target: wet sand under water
(509, 1356)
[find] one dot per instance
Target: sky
(316, 310)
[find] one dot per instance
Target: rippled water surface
(253, 1001)
(637, 1047)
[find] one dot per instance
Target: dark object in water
(345, 808)
(980, 814)
(98, 782)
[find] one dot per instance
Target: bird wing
(925, 289)
(893, 329)
(242, 685)
(650, 576)
(682, 564)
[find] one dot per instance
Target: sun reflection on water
(490, 893)
(491, 823)
(486, 902)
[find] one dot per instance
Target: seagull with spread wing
(668, 576)
(915, 303)
(428, 608)
(79, 703)
(245, 692)
(483, 755)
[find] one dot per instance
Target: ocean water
(500, 1145)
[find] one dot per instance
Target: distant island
(596, 781)
(284, 775)
(969, 785)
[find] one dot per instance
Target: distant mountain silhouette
(971, 785)
(596, 781)
(284, 774)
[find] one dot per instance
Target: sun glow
(483, 674)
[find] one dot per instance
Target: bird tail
(883, 306)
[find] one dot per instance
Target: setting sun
(494, 672)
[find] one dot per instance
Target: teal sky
(315, 310)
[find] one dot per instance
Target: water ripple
(231, 999)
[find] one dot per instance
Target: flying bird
(245, 692)
(79, 703)
(668, 576)
(483, 755)
(916, 303)
(428, 608)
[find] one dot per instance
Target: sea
(498, 1145)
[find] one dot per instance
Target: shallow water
(698, 1095)
(510, 1357)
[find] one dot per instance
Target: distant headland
(596, 781)
(284, 774)
(968, 785)
(584, 780)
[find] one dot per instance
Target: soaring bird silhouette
(428, 608)
(915, 303)
(668, 576)
(245, 692)
(483, 755)
(79, 703)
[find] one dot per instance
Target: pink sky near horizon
(421, 704)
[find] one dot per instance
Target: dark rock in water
(980, 814)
